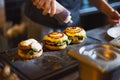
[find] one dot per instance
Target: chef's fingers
(113, 21)
(115, 15)
(40, 4)
(35, 2)
(47, 7)
(53, 8)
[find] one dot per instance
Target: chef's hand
(114, 18)
(48, 6)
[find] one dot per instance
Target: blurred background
(13, 12)
(10, 16)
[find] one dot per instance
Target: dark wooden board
(50, 64)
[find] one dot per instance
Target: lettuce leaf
(30, 51)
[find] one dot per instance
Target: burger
(76, 34)
(56, 41)
(29, 49)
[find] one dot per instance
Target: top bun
(76, 34)
(56, 37)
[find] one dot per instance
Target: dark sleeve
(36, 15)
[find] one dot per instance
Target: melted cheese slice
(36, 46)
(32, 40)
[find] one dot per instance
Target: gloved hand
(48, 6)
(114, 18)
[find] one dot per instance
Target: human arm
(48, 6)
(104, 7)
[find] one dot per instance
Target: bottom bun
(55, 47)
(29, 56)
(77, 41)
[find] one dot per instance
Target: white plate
(114, 32)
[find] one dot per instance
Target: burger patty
(77, 37)
(29, 51)
(58, 43)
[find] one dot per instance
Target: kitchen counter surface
(60, 67)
